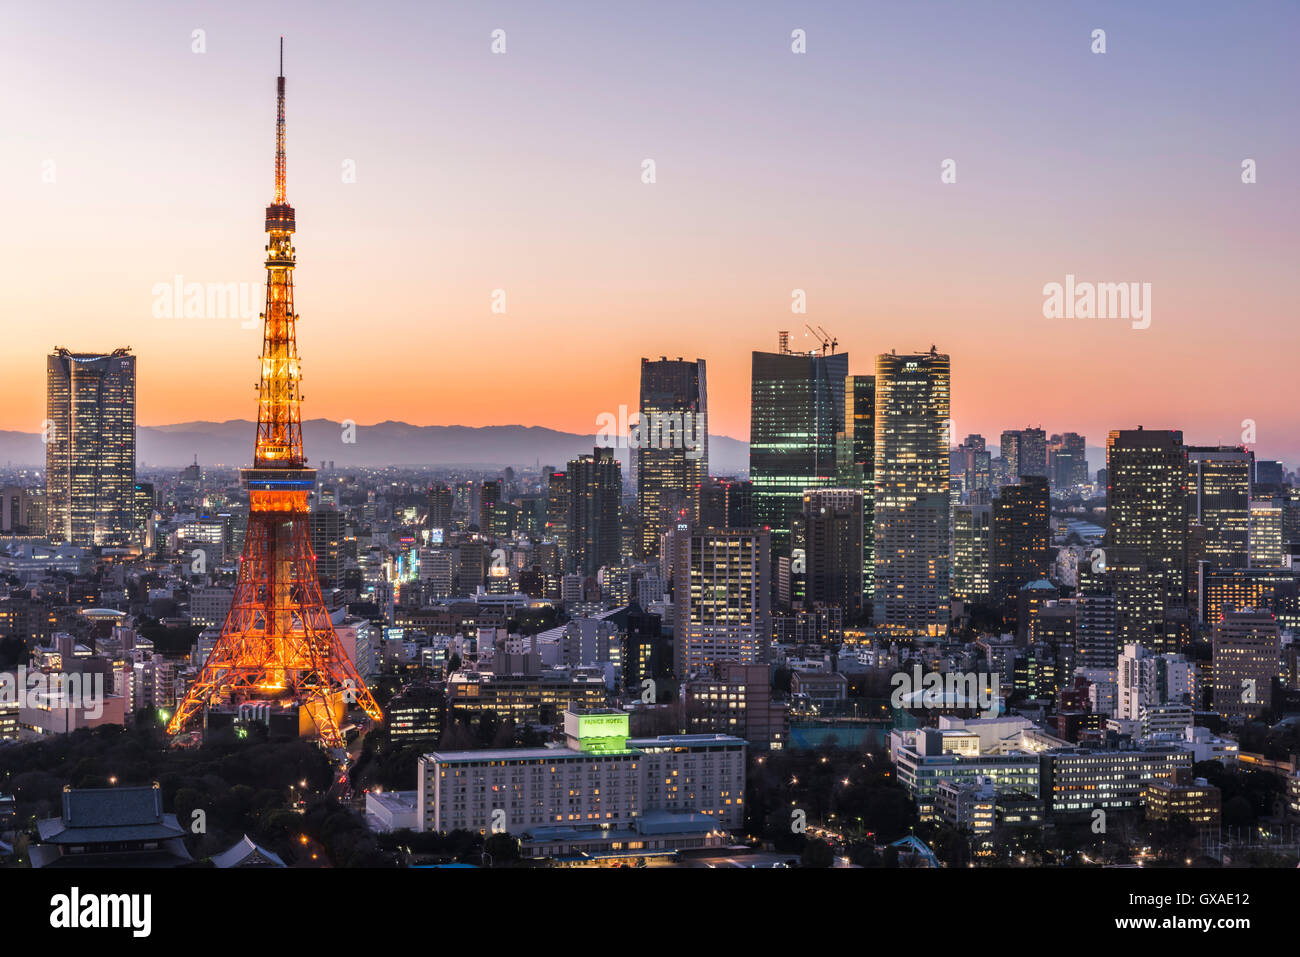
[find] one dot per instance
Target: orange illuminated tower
(278, 644)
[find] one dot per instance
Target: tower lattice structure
(277, 642)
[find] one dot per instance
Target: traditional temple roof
(110, 815)
(247, 854)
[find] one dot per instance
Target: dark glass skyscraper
(832, 527)
(1022, 538)
(1067, 460)
(1033, 452)
(596, 488)
(440, 499)
(672, 456)
(90, 447)
(796, 413)
(857, 459)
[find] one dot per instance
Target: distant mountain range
(386, 443)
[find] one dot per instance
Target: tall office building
(15, 511)
(596, 490)
(1096, 642)
(1033, 452)
(975, 464)
(911, 501)
(1245, 652)
(672, 455)
(1022, 538)
(722, 602)
(471, 569)
(559, 498)
(1218, 499)
(1067, 460)
(972, 542)
(327, 543)
(725, 503)
(489, 497)
(440, 499)
(1146, 543)
(833, 520)
(796, 413)
(90, 447)
(1266, 532)
(1276, 590)
(857, 460)
(1010, 448)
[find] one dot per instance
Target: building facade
(90, 447)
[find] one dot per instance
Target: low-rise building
(1199, 802)
(393, 810)
(970, 806)
(736, 699)
(600, 794)
(924, 763)
(1079, 780)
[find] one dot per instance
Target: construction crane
(823, 337)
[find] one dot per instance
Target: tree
(817, 854)
(501, 849)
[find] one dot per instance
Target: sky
(128, 159)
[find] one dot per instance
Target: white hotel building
(601, 794)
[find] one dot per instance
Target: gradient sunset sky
(775, 171)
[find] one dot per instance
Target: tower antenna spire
(279, 131)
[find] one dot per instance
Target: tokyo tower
(278, 644)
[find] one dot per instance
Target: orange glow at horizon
(522, 174)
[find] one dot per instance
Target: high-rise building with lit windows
(972, 534)
(1009, 445)
(90, 447)
(559, 495)
(1246, 658)
(1266, 531)
(913, 395)
(1146, 543)
(672, 454)
(1218, 499)
(796, 414)
(1274, 589)
(722, 588)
